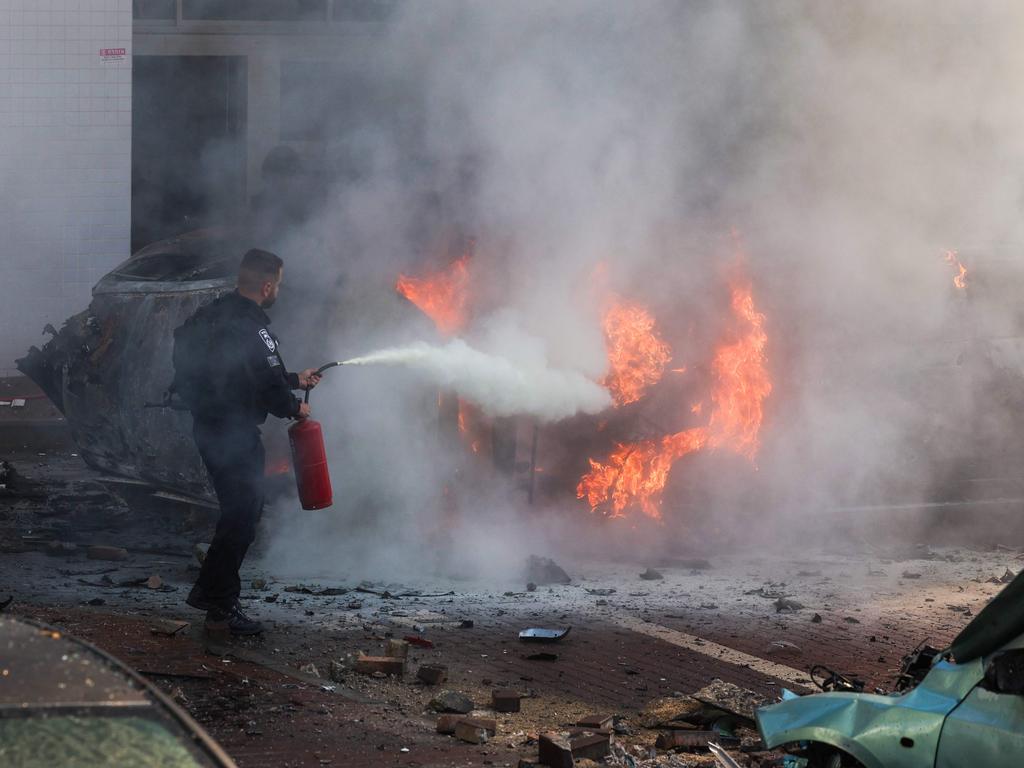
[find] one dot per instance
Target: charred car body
(108, 368)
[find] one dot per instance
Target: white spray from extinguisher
(497, 385)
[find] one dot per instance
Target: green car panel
(986, 730)
(947, 721)
(874, 728)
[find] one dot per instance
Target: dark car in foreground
(64, 702)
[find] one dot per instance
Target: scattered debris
(310, 669)
(651, 575)
(539, 635)
(769, 592)
(693, 563)
(785, 605)
(599, 722)
(471, 734)
(259, 585)
(432, 674)
(851, 620)
(447, 724)
(336, 672)
(541, 657)
(909, 575)
(398, 649)
(723, 757)
(451, 701)
(530, 587)
(94, 572)
(685, 741)
(604, 592)
(60, 548)
(167, 627)
(419, 642)
(731, 698)
(563, 750)
(104, 552)
(670, 712)
(328, 592)
(154, 582)
(816, 618)
(590, 746)
(505, 700)
(544, 570)
(781, 645)
(368, 665)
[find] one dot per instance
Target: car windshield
(92, 742)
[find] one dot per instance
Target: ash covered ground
(640, 646)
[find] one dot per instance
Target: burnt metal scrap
(106, 363)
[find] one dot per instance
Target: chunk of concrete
(554, 751)
(368, 665)
(471, 734)
(505, 700)
(451, 701)
(104, 552)
(590, 747)
(432, 674)
(398, 649)
(447, 723)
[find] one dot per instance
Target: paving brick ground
(266, 713)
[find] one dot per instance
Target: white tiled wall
(65, 160)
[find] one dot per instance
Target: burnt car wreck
(109, 367)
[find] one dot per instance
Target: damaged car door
(987, 728)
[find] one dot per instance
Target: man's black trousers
(233, 455)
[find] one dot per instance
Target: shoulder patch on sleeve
(273, 360)
(267, 339)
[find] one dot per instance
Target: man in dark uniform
(245, 379)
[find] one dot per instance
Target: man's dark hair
(257, 267)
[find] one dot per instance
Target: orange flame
(636, 473)
(637, 355)
(742, 381)
(470, 425)
(960, 278)
(442, 296)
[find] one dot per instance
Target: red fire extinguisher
(309, 457)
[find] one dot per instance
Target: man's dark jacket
(246, 376)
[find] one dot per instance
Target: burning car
(960, 706)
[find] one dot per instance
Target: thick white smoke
(848, 145)
(497, 385)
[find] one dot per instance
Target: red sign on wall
(112, 54)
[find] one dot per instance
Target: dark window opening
(364, 10)
(154, 10)
(188, 144)
(254, 10)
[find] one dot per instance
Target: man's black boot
(197, 599)
(233, 620)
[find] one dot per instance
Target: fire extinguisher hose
(319, 371)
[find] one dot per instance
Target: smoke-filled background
(826, 154)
